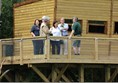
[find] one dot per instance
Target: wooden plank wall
(85, 10)
(25, 15)
(115, 16)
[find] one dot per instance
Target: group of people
(41, 28)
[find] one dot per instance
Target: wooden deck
(93, 51)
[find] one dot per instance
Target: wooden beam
(40, 73)
(17, 77)
(49, 77)
(113, 75)
(8, 75)
(81, 73)
(54, 74)
(107, 73)
(47, 48)
(10, 79)
(61, 73)
(63, 76)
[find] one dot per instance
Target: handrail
(47, 49)
(53, 37)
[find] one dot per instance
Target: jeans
(38, 46)
(55, 47)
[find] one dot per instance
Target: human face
(74, 19)
(62, 20)
(37, 22)
(56, 25)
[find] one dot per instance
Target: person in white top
(55, 31)
(64, 31)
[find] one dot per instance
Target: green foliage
(7, 18)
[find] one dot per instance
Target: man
(76, 31)
(64, 30)
(44, 29)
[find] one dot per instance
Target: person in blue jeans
(37, 44)
(55, 42)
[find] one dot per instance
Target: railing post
(69, 48)
(21, 52)
(0, 51)
(96, 48)
(48, 48)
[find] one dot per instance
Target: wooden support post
(10, 79)
(49, 77)
(113, 75)
(96, 49)
(81, 73)
(61, 73)
(63, 76)
(17, 77)
(69, 48)
(40, 73)
(21, 52)
(0, 51)
(54, 74)
(107, 73)
(48, 48)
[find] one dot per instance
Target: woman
(37, 44)
(55, 43)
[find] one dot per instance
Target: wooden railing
(92, 50)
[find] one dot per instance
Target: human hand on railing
(69, 37)
(34, 36)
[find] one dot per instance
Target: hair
(62, 18)
(75, 19)
(40, 21)
(54, 23)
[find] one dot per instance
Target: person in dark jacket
(37, 44)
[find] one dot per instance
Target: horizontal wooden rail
(91, 51)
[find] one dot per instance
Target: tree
(7, 18)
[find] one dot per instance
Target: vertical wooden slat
(69, 49)
(21, 52)
(96, 49)
(47, 48)
(107, 73)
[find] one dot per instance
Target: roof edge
(25, 3)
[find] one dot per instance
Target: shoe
(75, 54)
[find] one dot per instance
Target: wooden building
(98, 18)
(99, 42)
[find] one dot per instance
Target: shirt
(35, 30)
(55, 32)
(64, 26)
(77, 28)
(44, 30)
